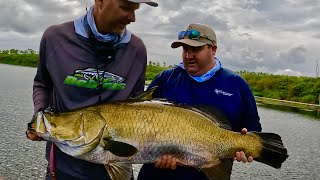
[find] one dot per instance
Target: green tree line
(291, 88)
(27, 57)
(299, 89)
(154, 68)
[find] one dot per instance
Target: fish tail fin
(273, 153)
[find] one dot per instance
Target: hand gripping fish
(141, 130)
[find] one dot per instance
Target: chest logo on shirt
(92, 78)
(217, 91)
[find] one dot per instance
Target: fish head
(75, 133)
(57, 127)
(41, 125)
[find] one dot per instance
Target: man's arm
(250, 117)
(42, 86)
(139, 86)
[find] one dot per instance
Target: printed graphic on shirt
(92, 78)
(217, 91)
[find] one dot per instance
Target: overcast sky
(273, 36)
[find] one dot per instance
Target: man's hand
(167, 162)
(240, 156)
(32, 135)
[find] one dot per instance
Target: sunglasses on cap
(192, 34)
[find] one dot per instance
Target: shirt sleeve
(250, 117)
(42, 86)
(157, 81)
(139, 86)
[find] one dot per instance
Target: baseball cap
(196, 35)
(151, 3)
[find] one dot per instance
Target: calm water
(23, 159)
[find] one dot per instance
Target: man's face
(198, 60)
(115, 15)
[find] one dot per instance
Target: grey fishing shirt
(74, 72)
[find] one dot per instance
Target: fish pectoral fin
(220, 171)
(119, 171)
(119, 148)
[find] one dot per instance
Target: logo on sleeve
(217, 91)
(92, 78)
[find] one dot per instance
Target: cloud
(253, 35)
(32, 16)
(289, 72)
(295, 55)
(317, 36)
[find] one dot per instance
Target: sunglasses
(192, 34)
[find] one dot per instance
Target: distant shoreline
(259, 99)
(299, 105)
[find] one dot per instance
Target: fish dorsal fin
(215, 115)
(119, 171)
(221, 171)
(119, 148)
(146, 95)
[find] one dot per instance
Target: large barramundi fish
(141, 130)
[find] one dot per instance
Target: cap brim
(189, 42)
(151, 3)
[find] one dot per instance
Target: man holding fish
(90, 60)
(200, 80)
